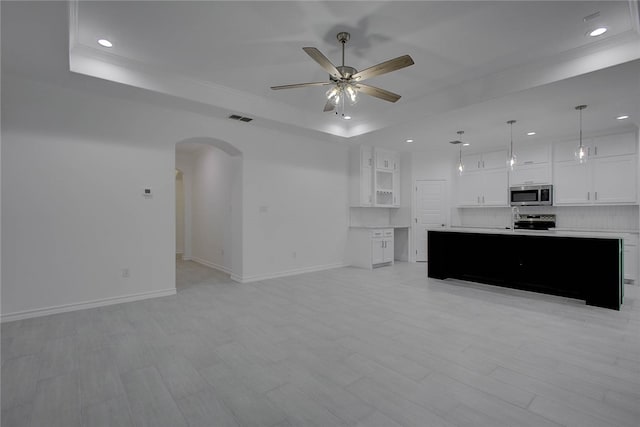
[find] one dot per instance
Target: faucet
(515, 215)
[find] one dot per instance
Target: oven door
(524, 196)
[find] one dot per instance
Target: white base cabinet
(369, 248)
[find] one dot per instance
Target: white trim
(210, 264)
(634, 10)
(45, 311)
(258, 277)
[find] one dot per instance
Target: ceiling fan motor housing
(346, 72)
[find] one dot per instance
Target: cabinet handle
(588, 195)
(482, 199)
(595, 196)
(528, 182)
(588, 151)
(483, 163)
(595, 150)
(370, 162)
(528, 162)
(478, 164)
(478, 199)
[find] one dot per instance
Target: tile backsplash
(589, 217)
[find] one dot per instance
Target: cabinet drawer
(383, 232)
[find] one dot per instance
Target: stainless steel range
(534, 221)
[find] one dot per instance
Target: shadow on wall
(212, 199)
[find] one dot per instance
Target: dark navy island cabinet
(577, 267)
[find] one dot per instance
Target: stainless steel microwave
(531, 195)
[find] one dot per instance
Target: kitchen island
(576, 266)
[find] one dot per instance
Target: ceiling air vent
(240, 118)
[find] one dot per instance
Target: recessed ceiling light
(346, 117)
(466, 144)
(622, 117)
(409, 140)
(105, 43)
(530, 133)
(598, 31)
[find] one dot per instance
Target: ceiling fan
(347, 80)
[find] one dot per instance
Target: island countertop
(546, 233)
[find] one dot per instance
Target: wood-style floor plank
(383, 347)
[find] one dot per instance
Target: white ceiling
(477, 64)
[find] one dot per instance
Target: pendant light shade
(582, 153)
(511, 161)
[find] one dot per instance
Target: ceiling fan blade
(377, 92)
(383, 68)
(317, 56)
(300, 85)
(329, 106)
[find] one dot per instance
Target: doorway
(208, 203)
(430, 212)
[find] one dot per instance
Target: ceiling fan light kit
(347, 80)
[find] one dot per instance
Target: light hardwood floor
(354, 347)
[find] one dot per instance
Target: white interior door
(430, 212)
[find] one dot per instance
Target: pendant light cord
(511, 122)
(580, 108)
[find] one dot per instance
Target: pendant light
(511, 162)
(582, 153)
(459, 142)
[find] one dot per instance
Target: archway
(212, 182)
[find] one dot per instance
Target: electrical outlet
(125, 272)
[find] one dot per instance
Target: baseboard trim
(258, 277)
(211, 264)
(38, 312)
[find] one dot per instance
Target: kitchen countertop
(609, 234)
(378, 226)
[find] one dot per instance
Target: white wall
(179, 214)
(75, 162)
(295, 206)
(211, 207)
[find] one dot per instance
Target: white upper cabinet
(484, 181)
(572, 183)
(490, 160)
(615, 180)
(532, 154)
(361, 177)
(565, 151)
(610, 176)
(472, 162)
(533, 165)
(613, 145)
(374, 178)
(601, 146)
(386, 160)
(494, 160)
